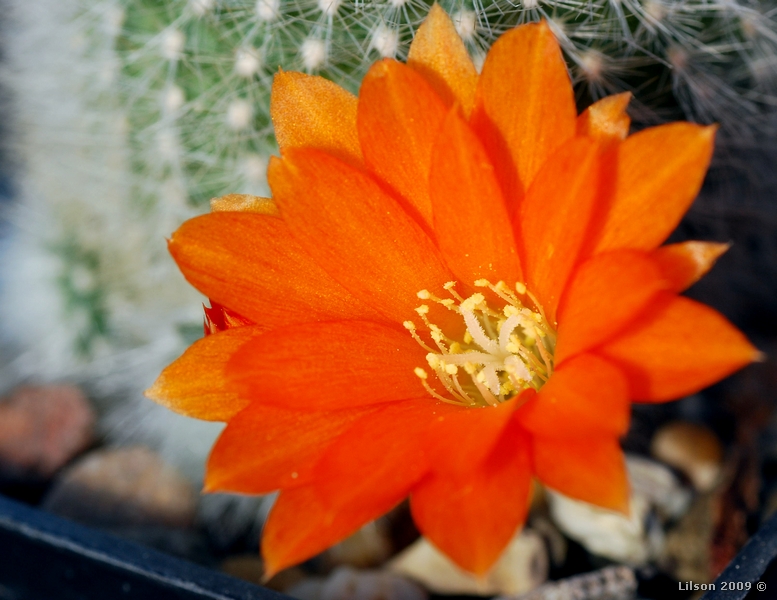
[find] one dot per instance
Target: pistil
(501, 354)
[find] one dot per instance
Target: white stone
(522, 567)
(268, 10)
(659, 485)
(385, 40)
(239, 114)
(313, 52)
(247, 62)
(637, 537)
(604, 532)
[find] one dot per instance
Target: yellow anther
(510, 310)
(499, 364)
(472, 302)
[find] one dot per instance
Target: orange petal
(194, 385)
(301, 525)
(659, 172)
(328, 366)
(219, 318)
(369, 469)
(606, 120)
(244, 203)
(472, 517)
(438, 53)
(265, 448)
(252, 265)
(605, 294)
(524, 91)
(554, 220)
(461, 440)
(685, 263)
(399, 118)
(385, 449)
(591, 469)
(309, 111)
(470, 217)
(585, 396)
(678, 349)
(357, 232)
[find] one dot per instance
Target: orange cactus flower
(457, 287)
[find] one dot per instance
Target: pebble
(42, 428)
(370, 546)
(656, 495)
(608, 533)
(250, 567)
(522, 567)
(346, 583)
(659, 485)
(610, 583)
(687, 556)
(691, 448)
(123, 487)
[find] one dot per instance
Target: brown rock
(368, 547)
(687, 551)
(691, 448)
(121, 487)
(44, 427)
(523, 566)
(250, 567)
(346, 583)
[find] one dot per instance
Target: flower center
(502, 352)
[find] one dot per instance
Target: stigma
(505, 349)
